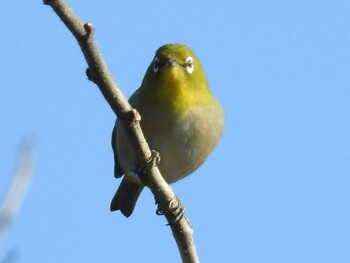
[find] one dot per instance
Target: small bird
(180, 118)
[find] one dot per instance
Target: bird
(180, 117)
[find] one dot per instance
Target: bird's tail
(126, 196)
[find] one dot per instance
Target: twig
(20, 182)
(99, 74)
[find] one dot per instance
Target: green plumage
(180, 118)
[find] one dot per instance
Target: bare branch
(19, 185)
(99, 74)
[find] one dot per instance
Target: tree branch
(130, 119)
(19, 184)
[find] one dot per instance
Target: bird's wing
(118, 172)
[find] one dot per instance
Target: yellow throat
(175, 78)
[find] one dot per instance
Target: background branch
(99, 74)
(19, 184)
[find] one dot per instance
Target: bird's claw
(174, 209)
(154, 159)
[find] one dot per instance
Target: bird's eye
(156, 65)
(189, 65)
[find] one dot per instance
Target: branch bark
(97, 71)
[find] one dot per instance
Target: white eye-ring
(156, 65)
(189, 65)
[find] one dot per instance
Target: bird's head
(176, 77)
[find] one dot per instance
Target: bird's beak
(172, 62)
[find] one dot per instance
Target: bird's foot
(174, 210)
(153, 161)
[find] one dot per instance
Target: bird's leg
(174, 210)
(153, 161)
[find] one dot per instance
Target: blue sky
(276, 189)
